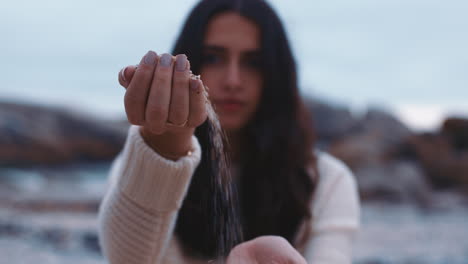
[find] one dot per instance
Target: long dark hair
(275, 186)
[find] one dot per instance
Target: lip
(229, 104)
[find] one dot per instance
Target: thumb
(126, 75)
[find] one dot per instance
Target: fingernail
(122, 74)
(166, 60)
(181, 63)
(150, 58)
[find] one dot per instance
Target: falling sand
(225, 203)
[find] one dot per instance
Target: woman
(293, 201)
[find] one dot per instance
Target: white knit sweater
(139, 210)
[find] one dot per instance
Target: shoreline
(409, 114)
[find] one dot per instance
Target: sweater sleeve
(138, 212)
(335, 215)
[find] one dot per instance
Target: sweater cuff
(152, 181)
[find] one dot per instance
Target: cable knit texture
(152, 181)
(138, 213)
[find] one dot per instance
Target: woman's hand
(165, 101)
(265, 250)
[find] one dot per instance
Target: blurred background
(386, 82)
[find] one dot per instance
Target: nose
(233, 76)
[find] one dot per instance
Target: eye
(252, 62)
(211, 58)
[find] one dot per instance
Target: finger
(137, 91)
(126, 75)
(198, 101)
(159, 96)
(179, 104)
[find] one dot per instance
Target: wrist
(170, 145)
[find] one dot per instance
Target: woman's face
(231, 68)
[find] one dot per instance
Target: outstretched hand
(165, 99)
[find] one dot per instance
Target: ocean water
(408, 56)
(391, 233)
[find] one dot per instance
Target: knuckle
(162, 78)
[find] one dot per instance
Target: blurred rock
(367, 145)
(443, 155)
(377, 135)
(400, 181)
(390, 130)
(331, 122)
(456, 129)
(38, 135)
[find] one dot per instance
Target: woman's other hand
(164, 101)
(265, 250)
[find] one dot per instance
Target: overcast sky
(406, 55)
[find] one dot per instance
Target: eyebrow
(214, 48)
